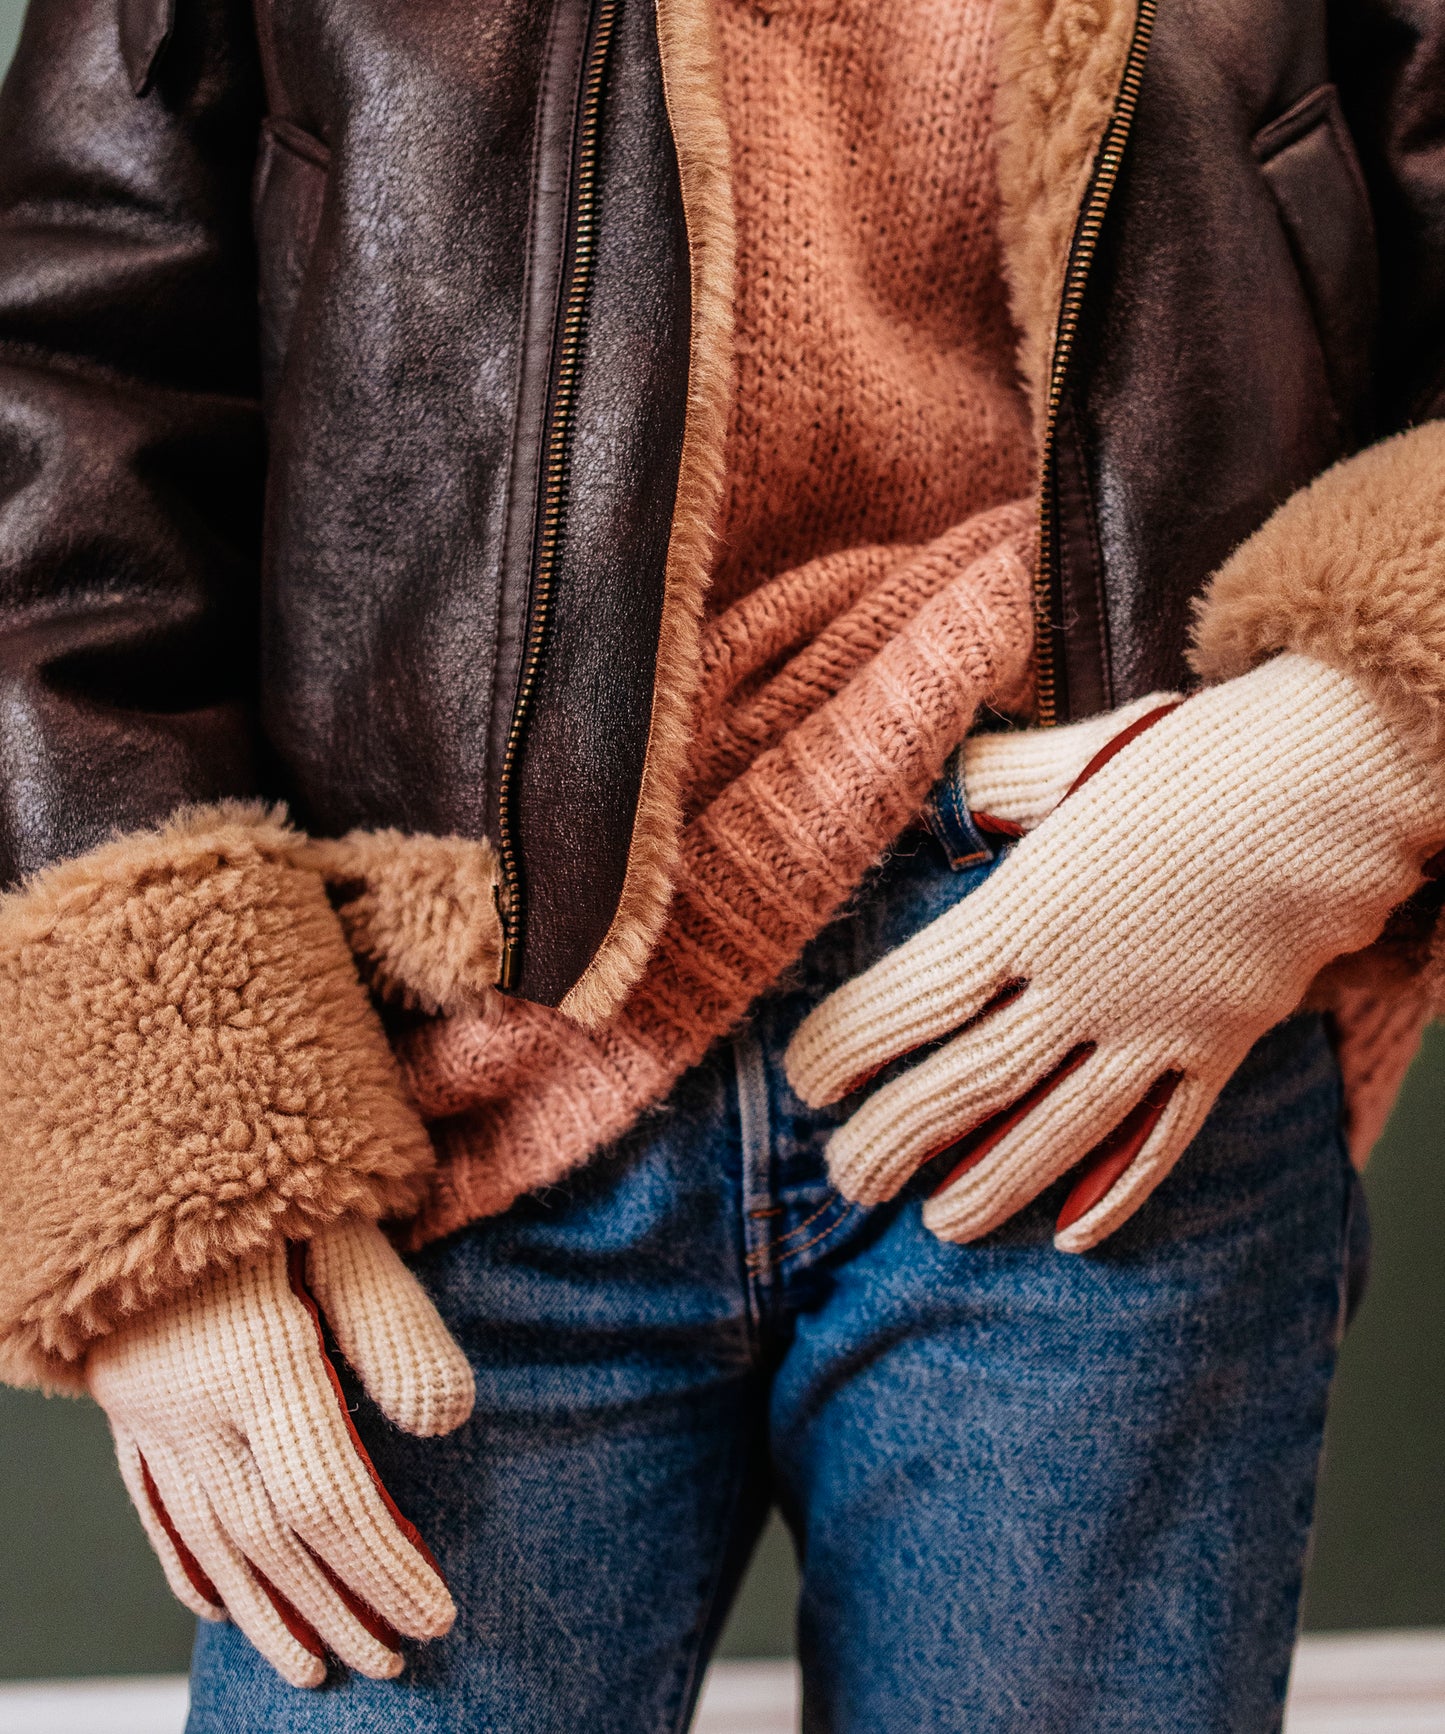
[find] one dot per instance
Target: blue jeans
(1029, 1491)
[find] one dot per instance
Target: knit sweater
(872, 581)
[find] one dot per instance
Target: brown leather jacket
(362, 373)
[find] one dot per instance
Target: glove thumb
(388, 1329)
(1021, 777)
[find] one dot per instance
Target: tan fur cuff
(1351, 571)
(189, 1067)
(419, 912)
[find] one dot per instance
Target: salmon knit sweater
(872, 583)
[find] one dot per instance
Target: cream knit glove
(1103, 984)
(1020, 777)
(238, 1450)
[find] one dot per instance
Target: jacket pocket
(1308, 162)
(145, 28)
(287, 197)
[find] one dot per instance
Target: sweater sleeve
(830, 699)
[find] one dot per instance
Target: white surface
(749, 1698)
(1384, 1683)
(144, 1706)
(741, 1698)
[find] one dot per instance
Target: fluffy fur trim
(189, 1067)
(1350, 570)
(420, 914)
(1060, 65)
(691, 81)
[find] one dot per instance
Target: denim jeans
(1029, 1491)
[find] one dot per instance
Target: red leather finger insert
(294, 1621)
(296, 1271)
(993, 826)
(190, 1565)
(361, 1611)
(299, 1627)
(975, 1145)
(1106, 1162)
(1119, 742)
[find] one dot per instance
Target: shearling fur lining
(1350, 570)
(690, 80)
(1060, 64)
(189, 1068)
(419, 912)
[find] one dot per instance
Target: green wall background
(81, 1594)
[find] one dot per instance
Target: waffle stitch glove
(240, 1455)
(1094, 995)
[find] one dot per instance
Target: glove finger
(386, 1326)
(354, 1632)
(935, 1103)
(953, 972)
(325, 1487)
(1184, 1112)
(352, 1527)
(1116, 743)
(1022, 777)
(287, 1641)
(1108, 1161)
(1027, 1147)
(189, 1584)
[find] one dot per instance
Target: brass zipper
(556, 450)
(1081, 257)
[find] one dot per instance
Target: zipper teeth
(1081, 257)
(554, 470)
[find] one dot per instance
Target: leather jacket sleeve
(131, 444)
(1388, 58)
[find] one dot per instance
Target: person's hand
(1094, 995)
(1015, 780)
(237, 1448)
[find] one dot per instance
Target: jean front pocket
(950, 819)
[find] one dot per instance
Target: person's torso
(495, 268)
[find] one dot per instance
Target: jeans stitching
(775, 1246)
(848, 1211)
